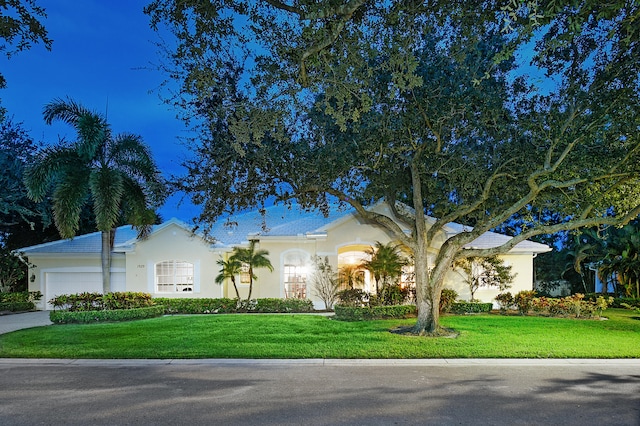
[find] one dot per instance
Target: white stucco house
(174, 262)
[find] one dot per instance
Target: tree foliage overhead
(421, 102)
(20, 28)
(17, 149)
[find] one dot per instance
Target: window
(245, 277)
(174, 276)
(295, 275)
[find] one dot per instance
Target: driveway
(13, 322)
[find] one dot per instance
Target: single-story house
(173, 261)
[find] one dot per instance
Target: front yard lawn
(310, 336)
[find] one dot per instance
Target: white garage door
(57, 283)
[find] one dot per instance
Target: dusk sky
(103, 57)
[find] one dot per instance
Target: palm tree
(253, 259)
(117, 175)
(385, 263)
(350, 276)
(229, 269)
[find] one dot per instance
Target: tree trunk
(235, 287)
(250, 283)
(429, 286)
(106, 261)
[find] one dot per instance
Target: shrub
(471, 307)
(273, 305)
(447, 299)
(353, 297)
(17, 306)
(80, 302)
(362, 313)
(229, 306)
(198, 306)
(126, 300)
(506, 301)
(85, 317)
(19, 301)
(523, 301)
(392, 295)
(574, 306)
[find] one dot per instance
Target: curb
(450, 362)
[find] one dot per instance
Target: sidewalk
(13, 322)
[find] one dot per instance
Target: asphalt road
(317, 392)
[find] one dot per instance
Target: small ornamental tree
(485, 272)
(325, 282)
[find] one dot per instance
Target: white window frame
(295, 274)
(174, 280)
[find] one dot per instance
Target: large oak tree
(422, 102)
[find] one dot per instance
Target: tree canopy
(20, 28)
(422, 102)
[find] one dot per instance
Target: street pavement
(316, 391)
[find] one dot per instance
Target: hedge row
(470, 307)
(19, 301)
(97, 302)
(84, 317)
(362, 313)
(230, 306)
(17, 306)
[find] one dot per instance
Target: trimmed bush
(80, 302)
(471, 307)
(197, 306)
(274, 305)
(447, 299)
(363, 313)
(524, 300)
(85, 317)
(506, 301)
(17, 306)
(353, 297)
(574, 306)
(19, 301)
(230, 306)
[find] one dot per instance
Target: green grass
(309, 336)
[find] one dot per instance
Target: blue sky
(103, 56)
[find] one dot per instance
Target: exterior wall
(172, 243)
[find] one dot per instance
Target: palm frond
(65, 110)
(107, 189)
(93, 134)
(92, 128)
(69, 196)
(48, 166)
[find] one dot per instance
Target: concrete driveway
(13, 322)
